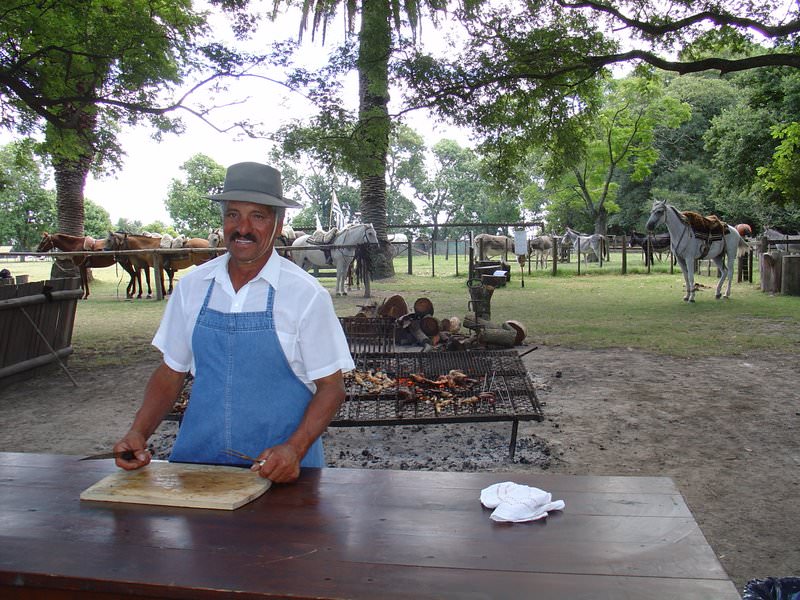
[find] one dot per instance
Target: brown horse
(122, 240)
(74, 243)
(175, 262)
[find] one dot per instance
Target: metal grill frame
(369, 335)
(498, 371)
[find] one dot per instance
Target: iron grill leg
(512, 447)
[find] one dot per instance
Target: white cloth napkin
(515, 503)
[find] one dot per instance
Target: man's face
(249, 230)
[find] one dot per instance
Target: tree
(97, 221)
(188, 201)
(620, 140)
(783, 174)
(745, 153)
(530, 73)
(405, 167)
(78, 70)
(696, 27)
(27, 208)
(370, 137)
(129, 226)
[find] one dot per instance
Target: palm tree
(374, 123)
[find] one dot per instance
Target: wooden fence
(36, 321)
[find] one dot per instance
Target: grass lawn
(598, 309)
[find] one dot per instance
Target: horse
(343, 251)
(775, 235)
(689, 245)
(121, 240)
(587, 243)
(175, 262)
(541, 246)
(489, 245)
(73, 243)
(649, 244)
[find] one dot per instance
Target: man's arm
(159, 397)
(282, 462)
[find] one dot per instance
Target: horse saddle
(711, 225)
(323, 238)
(320, 237)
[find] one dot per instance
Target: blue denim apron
(245, 395)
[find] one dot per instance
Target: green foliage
(130, 226)
(85, 67)
(782, 175)
(405, 167)
(188, 203)
(26, 208)
(96, 220)
(622, 138)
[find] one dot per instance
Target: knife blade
(124, 454)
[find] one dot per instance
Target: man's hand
(136, 442)
(281, 464)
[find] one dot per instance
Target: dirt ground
(727, 430)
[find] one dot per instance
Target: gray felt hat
(254, 182)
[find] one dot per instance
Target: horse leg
(139, 281)
(689, 275)
(689, 281)
(341, 272)
(147, 277)
(726, 270)
(85, 280)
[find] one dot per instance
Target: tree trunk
(375, 45)
(70, 177)
(71, 169)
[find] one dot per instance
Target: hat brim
(257, 198)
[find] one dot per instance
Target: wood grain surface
(180, 484)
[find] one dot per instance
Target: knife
(124, 454)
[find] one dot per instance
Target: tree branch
(719, 18)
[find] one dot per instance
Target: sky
(138, 191)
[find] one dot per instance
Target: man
(260, 336)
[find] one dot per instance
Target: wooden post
(433, 258)
(555, 256)
(624, 255)
(790, 275)
(410, 268)
(158, 272)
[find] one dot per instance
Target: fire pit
(422, 388)
(408, 388)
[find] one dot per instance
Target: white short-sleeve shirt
(308, 329)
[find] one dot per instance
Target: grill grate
(369, 335)
(499, 372)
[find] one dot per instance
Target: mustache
(236, 235)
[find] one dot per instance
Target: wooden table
(350, 533)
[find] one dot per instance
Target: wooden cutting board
(180, 484)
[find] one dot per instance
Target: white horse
(587, 243)
(493, 245)
(689, 246)
(342, 250)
